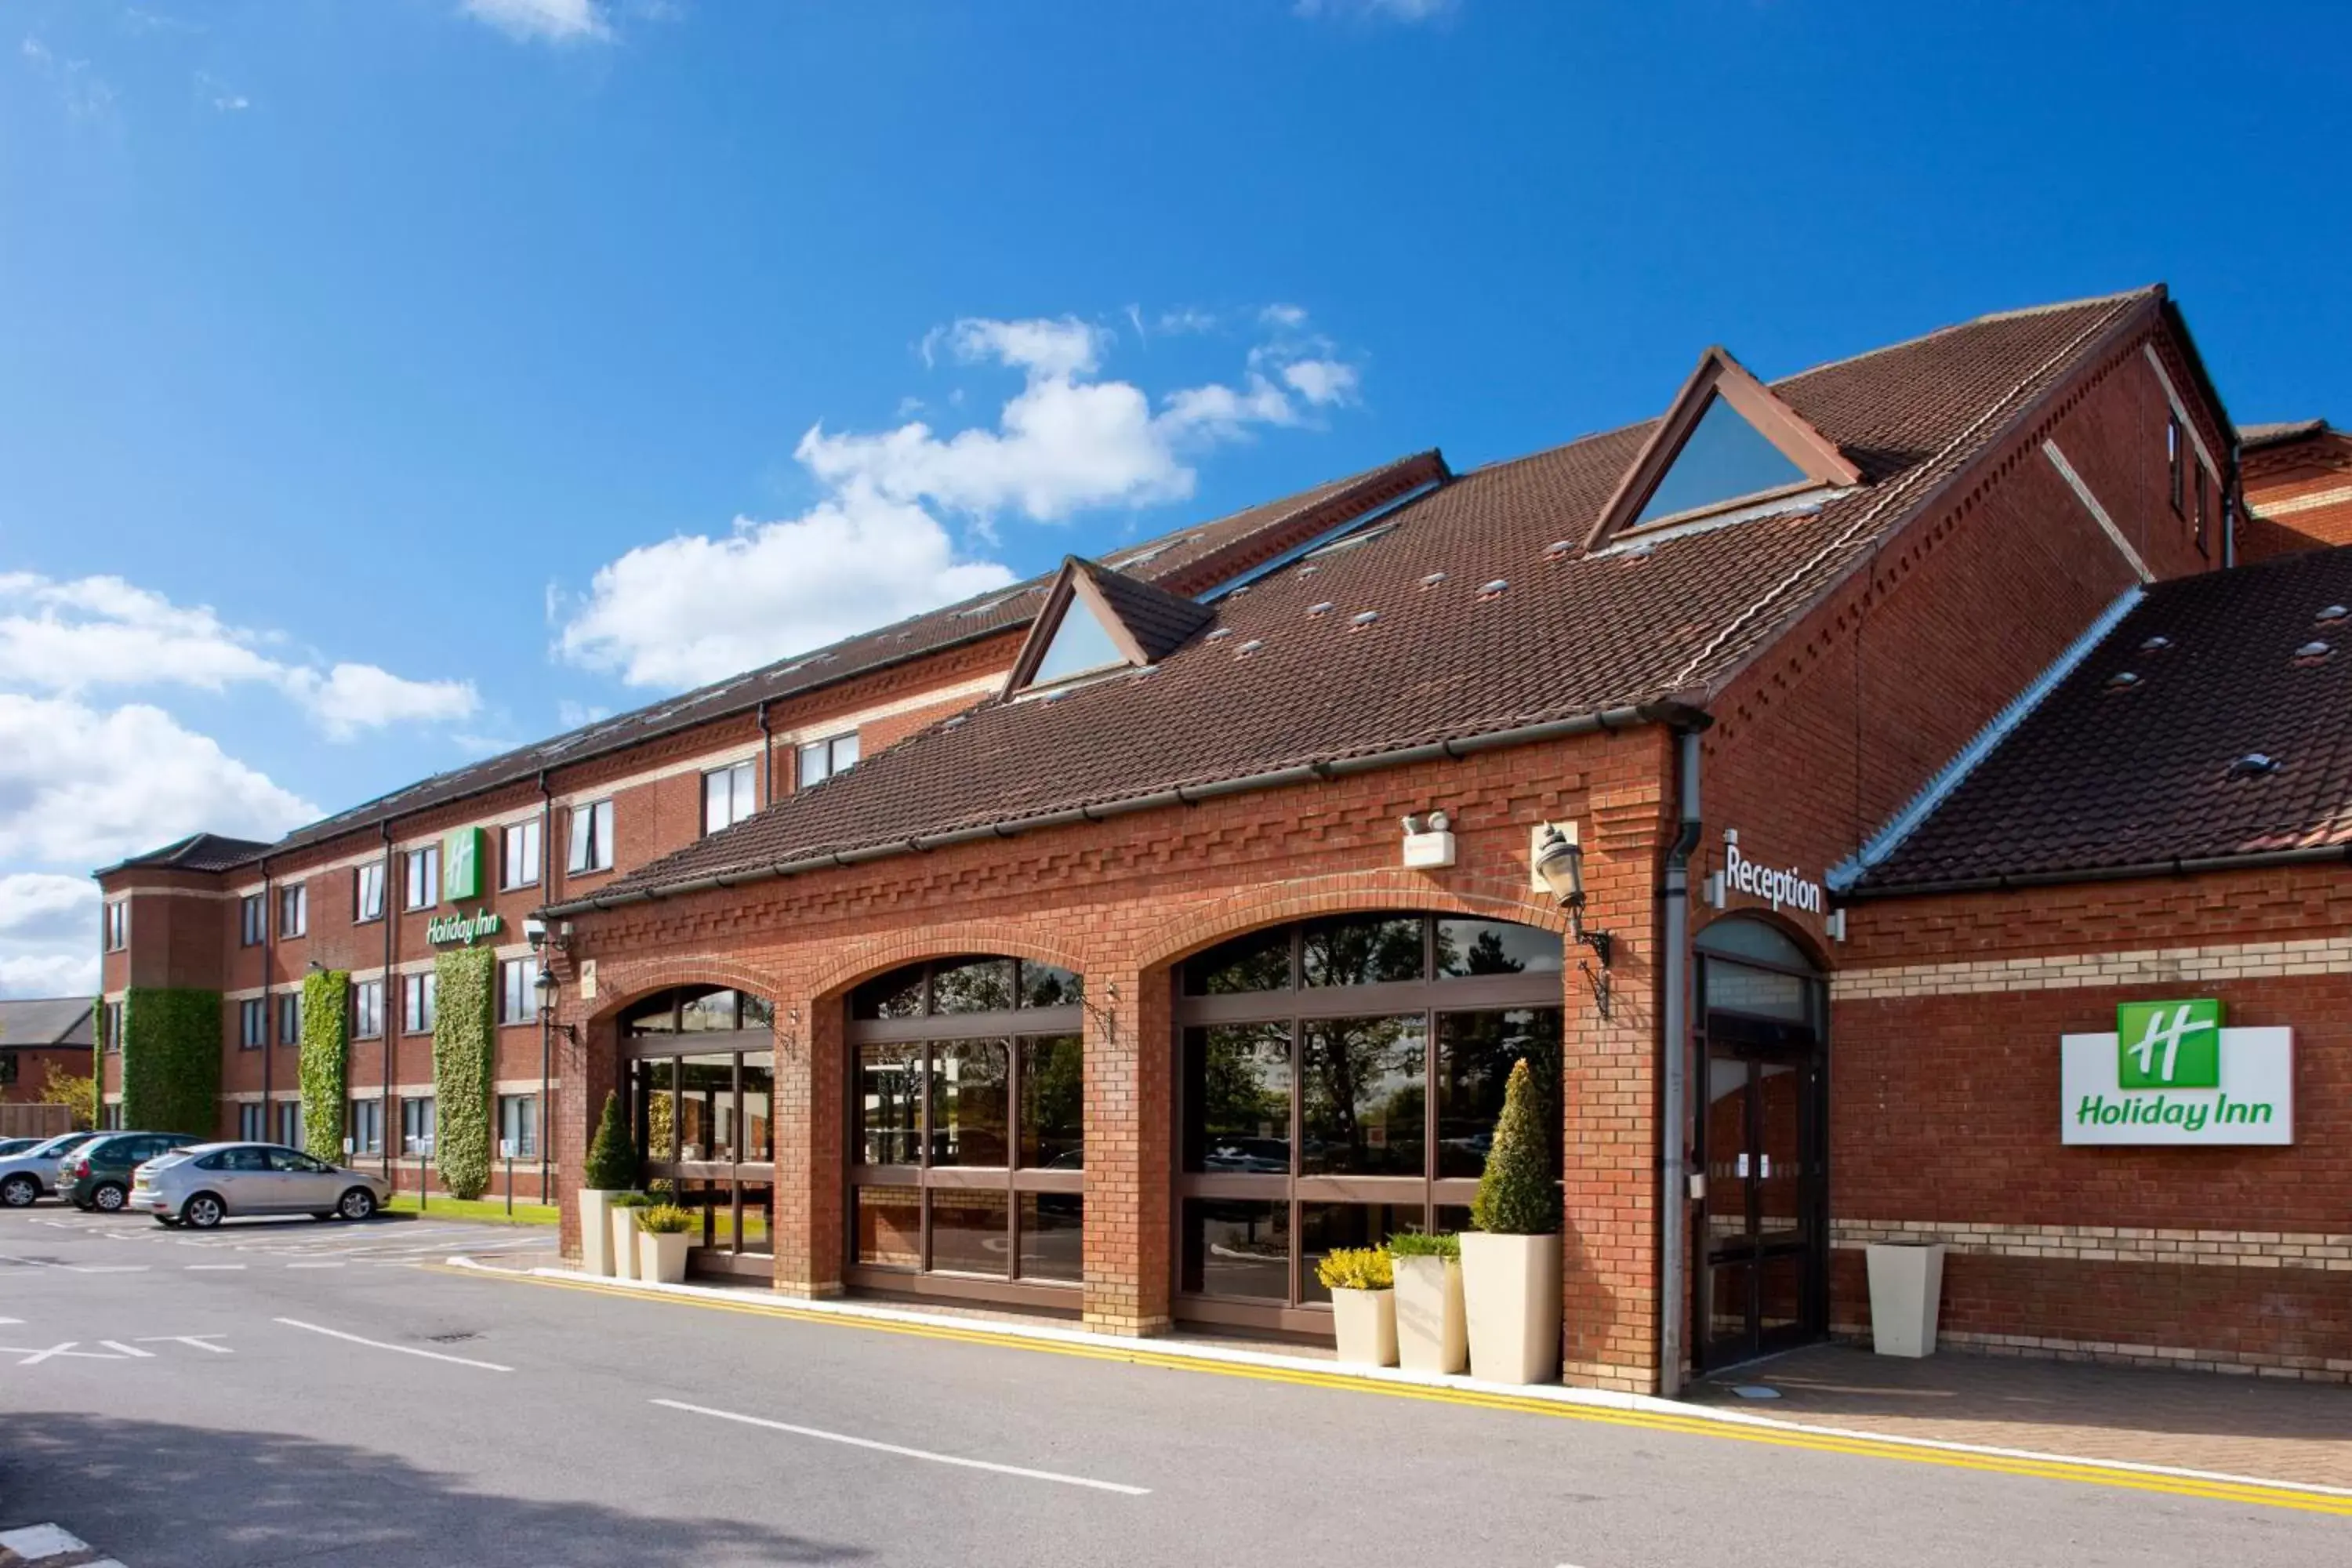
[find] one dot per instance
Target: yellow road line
(2089, 1472)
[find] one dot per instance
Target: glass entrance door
(1761, 1236)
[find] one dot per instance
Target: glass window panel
(1260, 962)
(897, 994)
(1237, 1247)
(968, 1104)
(754, 1012)
(759, 1107)
(1323, 1226)
(658, 1118)
(968, 1234)
(1052, 1102)
(713, 1204)
(1495, 947)
(889, 1076)
(1363, 1095)
(1046, 985)
(1237, 1099)
(1763, 992)
(707, 1108)
(982, 985)
(1052, 1237)
(1724, 460)
(1450, 1217)
(1474, 1053)
(713, 1010)
(1361, 952)
(1081, 644)
(1750, 939)
(816, 764)
(759, 1218)
(889, 1227)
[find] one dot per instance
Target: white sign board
(2254, 1102)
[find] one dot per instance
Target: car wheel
(202, 1212)
(108, 1198)
(358, 1204)
(20, 1191)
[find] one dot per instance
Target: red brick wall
(2316, 470)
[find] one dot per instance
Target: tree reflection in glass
(1361, 952)
(1362, 1096)
(1237, 1099)
(889, 1078)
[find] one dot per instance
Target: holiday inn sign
(2171, 1073)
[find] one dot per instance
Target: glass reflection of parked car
(1253, 1154)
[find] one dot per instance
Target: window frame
(524, 1148)
(367, 1020)
(293, 911)
(355, 1118)
(527, 831)
(367, 874)
(518, 979)
(252, 1122)
(252, 920)
(2175, 442)
(420, 994)
(420, 871)
(590, 852)
(831, 746)
(429, 1119)
(742, 794)
(289, 1017)
(118, 924)
(252, 1022)
(2204, 545)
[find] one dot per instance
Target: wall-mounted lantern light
(1557, 862)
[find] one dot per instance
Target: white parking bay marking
(106, 1267)
(128, 1349)
(380, 1345)
(196, 1339)
(214, 1265)
(314, 1266)
(906, 1453)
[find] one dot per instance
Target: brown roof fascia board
(1673, 710)
(2085, 356)
(1717, 371)
(1400, 478)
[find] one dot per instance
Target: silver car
(25, 1176)
(204, 1184)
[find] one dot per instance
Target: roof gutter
(2180, 866)
(1603, 721)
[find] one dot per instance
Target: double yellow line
(2082, 1471)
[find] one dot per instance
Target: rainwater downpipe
(767, 758)
(390, 1020)
(268, 1013)
(546, 1026)
(1674, 1163)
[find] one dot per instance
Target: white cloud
(1382, 10)
(70, 637)
(49, 935)
(85, 94)
(221, 96)
(571, 715)
(873, 548)
(545, 21)
(59, 974)
(82, 787)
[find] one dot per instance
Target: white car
(204, 1184)
(25, 1176)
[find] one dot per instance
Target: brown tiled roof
(1400, 641)
(2107, 774)
(1161, 622)
(46, 1021)
(197, 852)
(1179, 558)
(2250, 436)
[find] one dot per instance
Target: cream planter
(596, 1231)
(1431, 1333)
(1366, 1326)
(661, 1256)
(1906, 1284)
(623, 1233)
(1510, 1287)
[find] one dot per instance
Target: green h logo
(461, 865)
(2169, 1045)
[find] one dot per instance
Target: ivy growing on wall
(326, 1054)
(465, 1047)
(171, 1061)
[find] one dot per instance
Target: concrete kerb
(1162, 1350)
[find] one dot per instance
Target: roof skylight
(1081, 645)
(1727, 459)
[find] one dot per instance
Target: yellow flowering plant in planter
(1363, 1303)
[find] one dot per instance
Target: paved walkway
(2241, 1425)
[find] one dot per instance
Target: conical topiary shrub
(612, 1159)
(1517, 1195)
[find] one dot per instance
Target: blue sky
(388, 380)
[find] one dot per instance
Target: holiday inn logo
(2169, 1045)
(461, 865)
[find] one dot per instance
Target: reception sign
(2171, 1073)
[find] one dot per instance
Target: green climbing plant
(172, 1059)
(1518, 1195)
(464, 1052)
(326, 1058)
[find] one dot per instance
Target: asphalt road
(281, 1394)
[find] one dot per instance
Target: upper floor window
(2202, 535)
(293, 910)
(2172, 458)
(289, 1017)
(727, 796)
(592, 837)
(367, 1009)
(109, 1026)
(819, 760)
(252, 1024)
(418, 994)
(519, 990)
(519, 854)
(367, 892)
(421, 878)
(249, 928)
(117, 926)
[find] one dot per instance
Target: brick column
(1128, 1103)
(808, 1221)
(1610, 1143)
(588, 1068)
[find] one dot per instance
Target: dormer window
(1097, 622)
(1728, 444)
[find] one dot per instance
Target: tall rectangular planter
(623, 1232)
(595, 1232)
(1510, 1287)
(1433, 1334)
(1364, 1323)
(1906, 1286)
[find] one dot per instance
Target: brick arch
(893, 949)
(622, 983)
(1350, 892)
(1816, 953)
